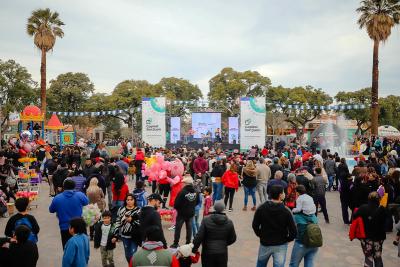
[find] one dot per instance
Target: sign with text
(233, 129)
(153, 121)
(252, 122)
(175, 129)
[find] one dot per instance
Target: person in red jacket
(200, 167)
(264, 152)
(230, 180)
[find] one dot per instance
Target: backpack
(25, 221)
(140, 199)
(312, 238)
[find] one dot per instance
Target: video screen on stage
(205, 124)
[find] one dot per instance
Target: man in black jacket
(302, 180)
(150, 217)
(274, 224)
(275, 167)
(59, 176)
(185, 204)
(216, 233)
(376, 166)
(88, 169)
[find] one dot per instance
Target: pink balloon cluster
(157, 170)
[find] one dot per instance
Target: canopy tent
(387, 130)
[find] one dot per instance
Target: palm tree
(378, 17)
(45, 27)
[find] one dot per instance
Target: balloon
(21, 143)
(22, 152)
(13, 141)
(25, 135)
(34, 146)
(147, 172)
(163, 174)
(27, 147)
(153, 176)
(159, 158)
(156, 167)
(165, 166)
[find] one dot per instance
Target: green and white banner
(252, 122)
(153, 121)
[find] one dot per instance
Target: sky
(294, 43)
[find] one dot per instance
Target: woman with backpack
(302, 248)
(128, 223)
(374, 217)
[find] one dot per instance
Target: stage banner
(233, 130)
(252, 122)
(153, 121)
(175, 129)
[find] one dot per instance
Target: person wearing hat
(150, 217)
(185, 204)
(216, 233)
(185, 260)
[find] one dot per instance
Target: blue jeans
(322, 201)
(191, 138)
(129, 247)
(217, 188)
(278, 254)
(246, 195)
(330, 177)
(299, 252)
(196, 224)
(119, 204)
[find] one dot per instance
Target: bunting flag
(179, 102)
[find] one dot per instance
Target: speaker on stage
(179, 142)
(224, 142)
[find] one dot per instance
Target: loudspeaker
(224, 142)
(179, 142)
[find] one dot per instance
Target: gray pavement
(337, 249)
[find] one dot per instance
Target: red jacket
(200, 165)
(297, 164)
(122, 194)
(230, 179)
(264, 151)
(357, 228)
(306, 156)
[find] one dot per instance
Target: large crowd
(291, 181)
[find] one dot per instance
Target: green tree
(70, 92)
(231, 85)
(45, 26)
(112, 127)
(361, 116)
(389, 111)
(281, 98)
(18, 90)
(127, 96)
(378, 17)
(178, 89)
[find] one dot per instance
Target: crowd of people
(291, 181)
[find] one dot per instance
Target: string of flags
(297, 107)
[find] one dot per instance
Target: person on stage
(191, 134)
(218, 135)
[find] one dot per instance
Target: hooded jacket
(59, 176)
(186, 201)
(200, 165)
(274, 224)
(87, 171)
(216, 233)
(79, 182)
(101, 183)
(230, 179)
(150, 217)
(68, 205)
(52, 166)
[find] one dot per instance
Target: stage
(199, 145)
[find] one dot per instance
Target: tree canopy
(18, 89)
(361, 116)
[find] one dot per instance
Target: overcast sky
(294, 43)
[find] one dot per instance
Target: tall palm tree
(45, 27)
(378, 17)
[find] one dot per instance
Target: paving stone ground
(338, 250)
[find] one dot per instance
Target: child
(21, 251)
(185, 260)
(196, 225)
(208, 203)
(304, 203)
(141, 194)
(103, 235)
(77, 249)
(198, 185)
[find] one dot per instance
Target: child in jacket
(208, 203)
(104, 233)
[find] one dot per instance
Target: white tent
(387, 130)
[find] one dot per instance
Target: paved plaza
(338, 250)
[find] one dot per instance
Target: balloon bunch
(31, 195)
(3, 197)
(91, 214)
(157, 169)
(166, 215)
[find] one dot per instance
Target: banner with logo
(175, 129)
(153, 121)
(233, 130)
(252, 122)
